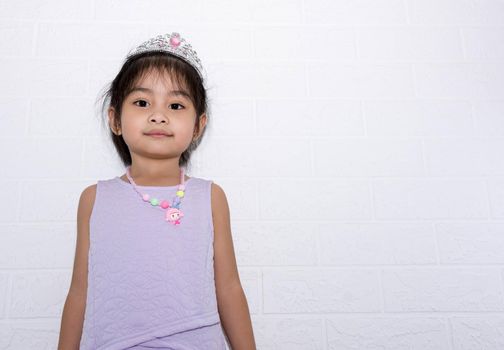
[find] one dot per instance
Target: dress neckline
(128, 184)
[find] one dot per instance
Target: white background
(360, 145)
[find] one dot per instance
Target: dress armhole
(210, 212)
(97, 192)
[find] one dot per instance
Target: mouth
(158, 135)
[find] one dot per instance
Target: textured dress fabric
(150, 282)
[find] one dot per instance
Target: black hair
(182, 74)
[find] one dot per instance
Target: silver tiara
(172, 43)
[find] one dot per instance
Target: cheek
(132, 127)
(184, 127)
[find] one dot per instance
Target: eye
(139, 101)
(176, 104)
(171, 104)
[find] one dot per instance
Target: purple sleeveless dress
(151, 283)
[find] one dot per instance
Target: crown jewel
(172, 43)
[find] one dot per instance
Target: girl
(154, 262)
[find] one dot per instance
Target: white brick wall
(365, 177)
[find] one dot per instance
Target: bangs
(166, 70)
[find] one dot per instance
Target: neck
(155, 175)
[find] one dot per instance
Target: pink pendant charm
(174, 215)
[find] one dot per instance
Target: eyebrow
(171, 93)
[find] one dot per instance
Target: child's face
(159, 108)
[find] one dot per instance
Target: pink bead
(165, 204)
(146, 197)
(182, 187)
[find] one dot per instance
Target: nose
(157, 117)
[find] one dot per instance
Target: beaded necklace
(173, 212)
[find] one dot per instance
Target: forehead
(154, 80)
(160, 78)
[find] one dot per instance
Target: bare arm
(72, 319)
(231, 300)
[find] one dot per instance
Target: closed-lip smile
(158, 132)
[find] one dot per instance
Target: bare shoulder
(79, 276)
(86, 203)
(226, 273)
(88, 196)
(220, 212)
(219, 200)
